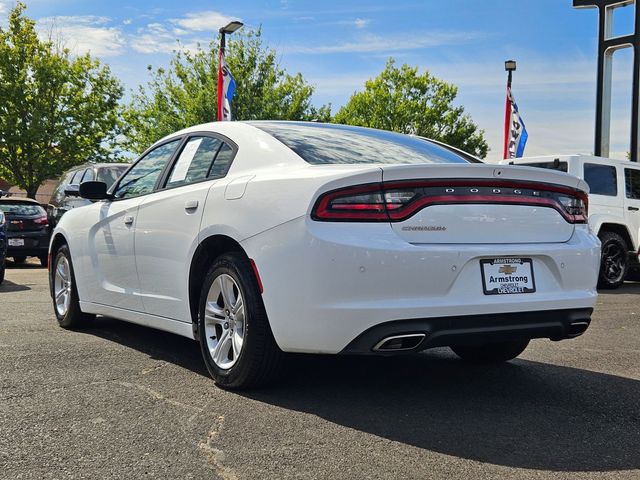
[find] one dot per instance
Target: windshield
(23, 209)
(110, 174)
(321, 144)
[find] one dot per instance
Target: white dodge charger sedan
(258, 238)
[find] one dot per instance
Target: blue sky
(337, 45)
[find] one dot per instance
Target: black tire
(491, 352)
(260, 359)
(44, 260)
(19, 260)
(73, 318)
(614, 261)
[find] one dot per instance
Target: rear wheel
(235, 337)
(491, 352)
(65, 295)
(19, 260)
(614, 260)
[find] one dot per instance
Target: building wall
(44, 192)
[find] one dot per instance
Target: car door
(632, 203)
(168, 224)
(111, 238)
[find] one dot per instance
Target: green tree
(184, 94)
(402, 100)
(55, 111)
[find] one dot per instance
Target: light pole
(227, 29)
(510, 66)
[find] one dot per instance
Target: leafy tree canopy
(403, 100)
(184, 94)
(55, 111)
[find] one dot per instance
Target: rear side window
(632, 183)
(560, 166)
(201, 158)
(88, 175)
(321, 144)
(602, 179)
(76, 177)
(143, 176)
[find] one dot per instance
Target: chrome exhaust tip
(399, 343)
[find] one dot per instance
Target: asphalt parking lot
(122, 401)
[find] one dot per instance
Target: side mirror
(72, 190)
(93, 190)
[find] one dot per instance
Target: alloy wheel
(62, 286)
(224, 321)
(613, 260)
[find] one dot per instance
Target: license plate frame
(15, 242)
(507, 268)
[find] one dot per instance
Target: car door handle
(633, 209)
(128, 220)
(191, 205)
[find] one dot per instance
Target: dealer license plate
(503, 276)
(16, 242)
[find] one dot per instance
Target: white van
(614, 208)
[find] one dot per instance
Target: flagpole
(229, 28)
(220, 78)
(510, 67)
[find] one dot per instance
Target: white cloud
(377, 44)
(361, 22)
(207, 21)
(158, 38)
(82, 34)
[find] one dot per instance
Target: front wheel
(64, 292)
(235, 337)
(491, 352)
(614, 261)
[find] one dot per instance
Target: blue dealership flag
(515, 132)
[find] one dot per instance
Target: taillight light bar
(396, 201)
(41, 220)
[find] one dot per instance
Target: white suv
(614, 208)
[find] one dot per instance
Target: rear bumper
(474, 329)
(325, 284)
(35, 245)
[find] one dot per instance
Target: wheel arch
(206, 252)
(620, 229)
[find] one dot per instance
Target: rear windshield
(321, 144)
(17, 208)
(109, 175)
(561, 166)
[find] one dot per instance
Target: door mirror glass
(93, 190)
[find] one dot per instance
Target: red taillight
(397, 201)
(41, 220)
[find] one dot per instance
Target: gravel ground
(122, 401)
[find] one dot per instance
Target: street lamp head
(510, 65)
(231, 27)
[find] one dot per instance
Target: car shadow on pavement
(522, 414)
(626, 288)
(8, 286)
(157, 344)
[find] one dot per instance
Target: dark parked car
(65, 197)
(27, 229)
(3, 242)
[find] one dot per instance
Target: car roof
(30, 201)
(573, 158)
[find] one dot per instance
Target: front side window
(142, 178)
(195, 161)
(601, 179)
(110, 174)
(632, 183)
